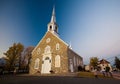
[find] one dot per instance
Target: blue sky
(92, 26)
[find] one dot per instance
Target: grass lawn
(90, 75)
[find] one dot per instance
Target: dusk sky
(92, 26)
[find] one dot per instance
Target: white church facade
(53, 54)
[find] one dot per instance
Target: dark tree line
(117, 63)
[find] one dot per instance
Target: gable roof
(103, 61)
(44, 37)
(75, 53)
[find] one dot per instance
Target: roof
(43, 38)
(103, 61)
(75, 52)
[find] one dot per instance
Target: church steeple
(53, 18)
(52, 26)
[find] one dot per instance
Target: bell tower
(52, 26)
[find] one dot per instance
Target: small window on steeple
(50, 27)
(55, 28)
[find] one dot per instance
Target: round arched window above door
(47, 49)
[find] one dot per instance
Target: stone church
(53, 54)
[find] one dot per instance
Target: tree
(26, 57)
(94, 62)
(13, 56)
(117, 62)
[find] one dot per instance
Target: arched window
(47, 58)
(47, 49)
(74, 61)
(50, 27)
(57, 61)
(56, 29)
(36, 66)
(57, 46)
(78, 61)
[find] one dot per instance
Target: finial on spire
(53, 18)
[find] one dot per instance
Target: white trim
(47, 49)
(39, 43)
(57, 61)
(36, 64)
(43, 68)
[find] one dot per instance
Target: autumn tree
(27, 56)
(94, 62)
(13, 56)
(117, 63)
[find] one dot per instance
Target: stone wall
(62, 52)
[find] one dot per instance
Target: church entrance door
(46, 66)
(71, 65)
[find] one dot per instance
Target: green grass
(90, 75)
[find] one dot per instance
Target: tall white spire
(52, 26)
(53, 18)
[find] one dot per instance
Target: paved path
(10, 79)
